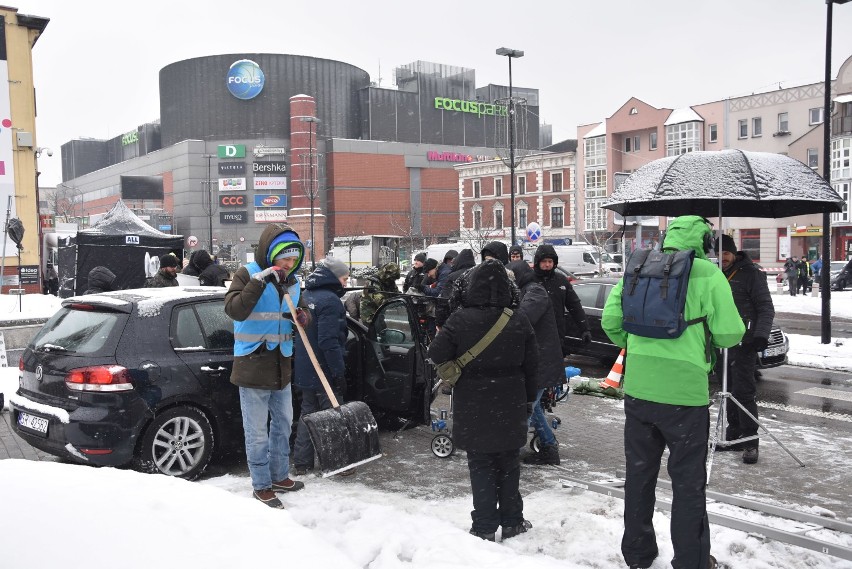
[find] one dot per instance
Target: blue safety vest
(265, 322)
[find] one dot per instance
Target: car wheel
(535, 444)
(442, 446)
(561, 392)
(178, 442)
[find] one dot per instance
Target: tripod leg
(759, 424)
(719, 427)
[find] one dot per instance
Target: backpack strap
(489, 337)
(664, 286)
(641, 256)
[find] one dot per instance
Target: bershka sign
(231, 150)
(276, 167)
(474, 107)
(270, 200)
(232, 184)
(232, 168)
(270, 183)
(233, 217)
(232, 200)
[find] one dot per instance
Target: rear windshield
(81, 332)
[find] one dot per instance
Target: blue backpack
(654, 293)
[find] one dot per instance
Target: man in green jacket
(666, 404)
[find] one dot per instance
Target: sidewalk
(12, 446)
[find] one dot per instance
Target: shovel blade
(344, 437)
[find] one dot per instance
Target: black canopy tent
(121, 242)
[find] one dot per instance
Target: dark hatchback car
(593, 294)
(141, 377)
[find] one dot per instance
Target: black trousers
(742, 361)
(494, 480)
(648, 429)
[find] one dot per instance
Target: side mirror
(391, 336)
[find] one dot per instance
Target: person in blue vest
(263, 348)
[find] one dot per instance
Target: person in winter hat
(492, 398)
(101, 279)
(666, 404)
(516, 253)
(535, 304)
(214, 275)
(754, 303)
(166, 275)
(496, 250)
(263, 350)
(461, 264)
(415, 275)
(562, 294)
(198, 261)
(327, 333)
(375, 293)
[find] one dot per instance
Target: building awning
(847, 98)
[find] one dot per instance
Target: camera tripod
(722, 420)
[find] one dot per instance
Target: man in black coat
(463, 261)
(562, 294)
(754, 303)
(492, 397)
(535, 304)
(415, 275)
(101, 279)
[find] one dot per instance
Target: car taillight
(21, 364)
(99, 378)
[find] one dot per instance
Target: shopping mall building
(269, 137)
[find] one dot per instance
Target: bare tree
(60, 201)
(600, 239)
(402, 223)
(478, 238)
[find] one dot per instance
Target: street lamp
(825, 275)
(511, 53)
(311, 193)
(209, 200)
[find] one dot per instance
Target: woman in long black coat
(491, 398)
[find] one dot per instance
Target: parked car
(593, 294)
(141, 377)
(841, 274)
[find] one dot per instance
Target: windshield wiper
(53, 348)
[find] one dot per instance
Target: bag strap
(489, 337)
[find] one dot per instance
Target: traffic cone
(615, 374)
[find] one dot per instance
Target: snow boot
(750, 455)
(483, 535)
(549, 454)
(512, 531)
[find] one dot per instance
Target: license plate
(33, 423)
(773, 351)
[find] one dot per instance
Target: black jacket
(536, 306)
(489, 400)
(198, 261)
(213, 275)
(752, 297)
(412, 279)
(463, 261)
(561, 292)
(101, 279)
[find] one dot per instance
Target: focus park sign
(474, 107)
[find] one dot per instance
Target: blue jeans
(267, 449)
(539, 422)
(303, 449)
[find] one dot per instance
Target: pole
(511, 150)
(210, 203)
(825, 272)
(311, 188)
(5, 235)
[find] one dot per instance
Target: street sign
(231, 151)
(533, 231)
(191, 241)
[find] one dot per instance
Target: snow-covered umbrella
(734, 183)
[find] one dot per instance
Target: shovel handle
(310, 350)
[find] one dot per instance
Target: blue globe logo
(245, 79)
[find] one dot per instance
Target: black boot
(512, 531)
(482, 535)
(549, 454)
(750, 455)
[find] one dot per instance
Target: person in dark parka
(562, 294)
(415, 275)
(101, 279)
(497, 250)
(754, 303)
(327, 334)
(463, 261)
(492, 397)
(535, 304)
(167, 275)
(516, 253)
(198, 261)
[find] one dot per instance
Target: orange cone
(615, 374)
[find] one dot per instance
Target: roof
(847, 98)
(568, 145)
(599, 130)
(683, 115)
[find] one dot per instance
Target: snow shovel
(345, 435)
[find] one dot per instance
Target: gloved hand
(303, 317)
(759, 344)
(530, 407)
(587, 337)
(271, 275)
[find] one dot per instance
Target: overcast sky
(97, 64)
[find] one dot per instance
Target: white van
(585, 260)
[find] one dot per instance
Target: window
(556, 181)
(634, 111)
(652, 140)
(756, 127)
(596, 183)
(594, 151)
(477, 189)
(588, 294)
(395, 316)
(636, 143)
(813, 158)
(743, 128)
(522, 184)
(750, 243)
(477, 219)
(684, 137)
(498, 218)
(843, 190)
(714, 133)
(628, 143)
(522, 217)
(595, 218)
(841, 153)
(557, 216)
(498, 186)
(783, 123)
(815, 115)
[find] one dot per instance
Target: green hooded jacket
(674, 371)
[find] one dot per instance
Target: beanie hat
(429, 265)
(420, 257)
(168, 260)
(727, 245)
(337, 267)
(285, 240)
(450, 255)
(285, 251)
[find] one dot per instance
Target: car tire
(178, 442)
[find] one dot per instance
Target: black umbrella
(734, 183)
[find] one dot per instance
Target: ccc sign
(232, 201)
